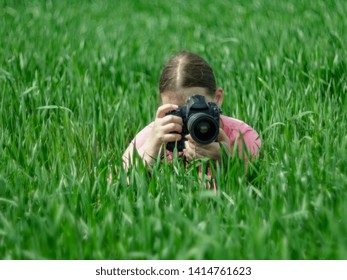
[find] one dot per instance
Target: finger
(171, 127)
(186, 154)
(189, 146)
(222, 137)
(187, 150)
(189, 154)
(196, 147)
(190, 139)
(163, 109)
(211, 150)
(192, 151)
(171, 119)
(171, 137)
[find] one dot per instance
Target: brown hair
(186, 69)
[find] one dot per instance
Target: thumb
(222, 137)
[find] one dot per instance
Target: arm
(250, 141)
(160, 134)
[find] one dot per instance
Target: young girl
(184, 75)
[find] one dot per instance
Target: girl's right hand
(161, 133)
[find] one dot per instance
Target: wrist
(149, 154)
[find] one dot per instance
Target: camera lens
(203, 128)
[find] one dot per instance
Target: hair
(186, 69)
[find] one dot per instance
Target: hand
(161, 133)
(212, 151)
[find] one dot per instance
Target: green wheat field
(78, 80)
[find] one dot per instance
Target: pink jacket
(233, 128)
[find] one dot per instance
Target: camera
(200, 120)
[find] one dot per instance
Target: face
(180, 96)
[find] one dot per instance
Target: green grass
(78, 80)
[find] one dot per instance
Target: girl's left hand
(212, 151)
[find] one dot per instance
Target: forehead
(180, 96)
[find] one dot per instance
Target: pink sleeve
(252, 142)
(239, 131)
(142, 136)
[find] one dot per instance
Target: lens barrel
(203, 128)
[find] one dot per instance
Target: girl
(184, 75)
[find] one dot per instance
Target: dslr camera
(200, 120)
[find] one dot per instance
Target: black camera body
(200, 120)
